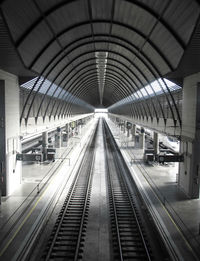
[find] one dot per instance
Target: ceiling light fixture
(101, 64)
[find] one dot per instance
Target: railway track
(128, 236)
(66, 240)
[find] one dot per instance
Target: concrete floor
(20, 211)
(97, 241)
(162, 179)
(158, 184)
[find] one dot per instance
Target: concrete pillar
(124, 126)
(189, 170)
(133, 132)
(44, 144)
(142, 141)
(64, 138)
(58, 138)
(73, 127)
(128, 127)
(121, 123)
(116, 121)
(10, 169)
(67, 130)
(156, 142)
(76, 127)
(80, 127)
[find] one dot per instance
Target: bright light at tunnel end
(101, 111)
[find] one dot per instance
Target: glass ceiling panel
(157, 86)
(46, 87)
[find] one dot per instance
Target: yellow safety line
(25, 219)
(165, 209)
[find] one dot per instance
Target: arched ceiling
(101, 51)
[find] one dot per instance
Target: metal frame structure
(73, 69)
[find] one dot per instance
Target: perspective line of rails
(65, 237)
(128, 239)
(19, 235)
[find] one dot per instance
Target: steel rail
(76, 190)
(123, 193)
(113, 200)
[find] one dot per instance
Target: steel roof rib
(138, 3)
(66, 54)
(118, 54)
(131, 28)
(113, 81)
(110, 49)
(121, 39)
(85, 75)
(160, 19)
(82, 44)
(33, 100)
(57, 40)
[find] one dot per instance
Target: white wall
(12, 130)
(188, 178)
(189, 105)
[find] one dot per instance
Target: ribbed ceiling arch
(101, 51)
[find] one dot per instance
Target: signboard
(29, 157)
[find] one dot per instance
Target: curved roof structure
(100, 51)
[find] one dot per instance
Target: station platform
(41, 182)
(177, 214)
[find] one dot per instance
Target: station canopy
(100, 51)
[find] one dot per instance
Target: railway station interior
(99, 130)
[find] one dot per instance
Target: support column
(121, 123)
(116, 121)
(58, 138)
(67, 131)
(128, 127)
(44, 144)
(76, 128)
(133, 132)
(124, 126)
(73, 127)
(189, 170)
(64, 136)
(10, 145)
(156, 142)
(142, 141)
(2, 140)
(79, 126)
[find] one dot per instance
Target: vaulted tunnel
(99, 129)
(97, 53)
